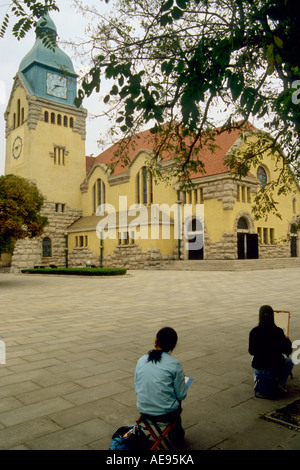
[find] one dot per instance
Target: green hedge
(78, 271)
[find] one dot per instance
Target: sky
(70, 24)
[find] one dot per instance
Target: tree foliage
(174, 64)
(20, 206)
(172, 60)
(26, 13)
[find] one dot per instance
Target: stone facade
(275, 251)
(132, 257)
(124, 256)
(225, 248)
(29, 253)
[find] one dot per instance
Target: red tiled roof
(89, 162)
(213, 160)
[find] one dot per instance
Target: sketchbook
(188, 381)
(282, 319)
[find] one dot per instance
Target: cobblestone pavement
(72, 344)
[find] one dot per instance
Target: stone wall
(275, 251)
(124, 256)
(225, 248)
(132, 257)
(29, 253)
(80, 257)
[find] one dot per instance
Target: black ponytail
(155, 355)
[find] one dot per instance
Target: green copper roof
(46, 56)
(49, 23)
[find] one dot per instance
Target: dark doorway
(252, 245)
(195, 240)
(247, 245)
(294, 241)
(294, 247)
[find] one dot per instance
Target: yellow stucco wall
(217, 219)
(57, 182)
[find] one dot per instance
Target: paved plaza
(72, 344)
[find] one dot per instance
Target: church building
(126, 217)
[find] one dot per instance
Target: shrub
(78, 271)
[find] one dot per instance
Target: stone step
(233, 265)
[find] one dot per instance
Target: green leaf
(165, 19)
(235, 85)
(181, 4)
(114, 91)
(167, 5)
(177, 13)
(278, 42)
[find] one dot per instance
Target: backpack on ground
(130, 438)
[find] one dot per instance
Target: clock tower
(45, 131)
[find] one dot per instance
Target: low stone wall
(81, 257)
(275, 251)
(124, 256)
(132, 257)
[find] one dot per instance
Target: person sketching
(160, 382)
(268, 345)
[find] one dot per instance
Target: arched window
(22, 116)
(47, 250)
(262, 176)
(66, 121)
(144, 185)
(59, 119)
(52, 118)
(294, 229)
(138, 187)
(71, 123)
(46, 116)
(19, 112)
(14, 121)
(242, 224)
(99, 194)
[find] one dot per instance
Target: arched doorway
(195, 239)
(293, 233)
(247, 243)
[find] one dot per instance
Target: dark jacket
(268, 345)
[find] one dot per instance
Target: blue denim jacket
(160, 386)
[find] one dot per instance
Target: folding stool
(159, 430)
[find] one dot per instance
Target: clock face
(17, 147)
(56, 85)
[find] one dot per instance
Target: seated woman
(160, 382)
(268, 344)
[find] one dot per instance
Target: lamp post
(179, 224)
(101, 249)
(66, 251)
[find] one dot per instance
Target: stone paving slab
(72, 345)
